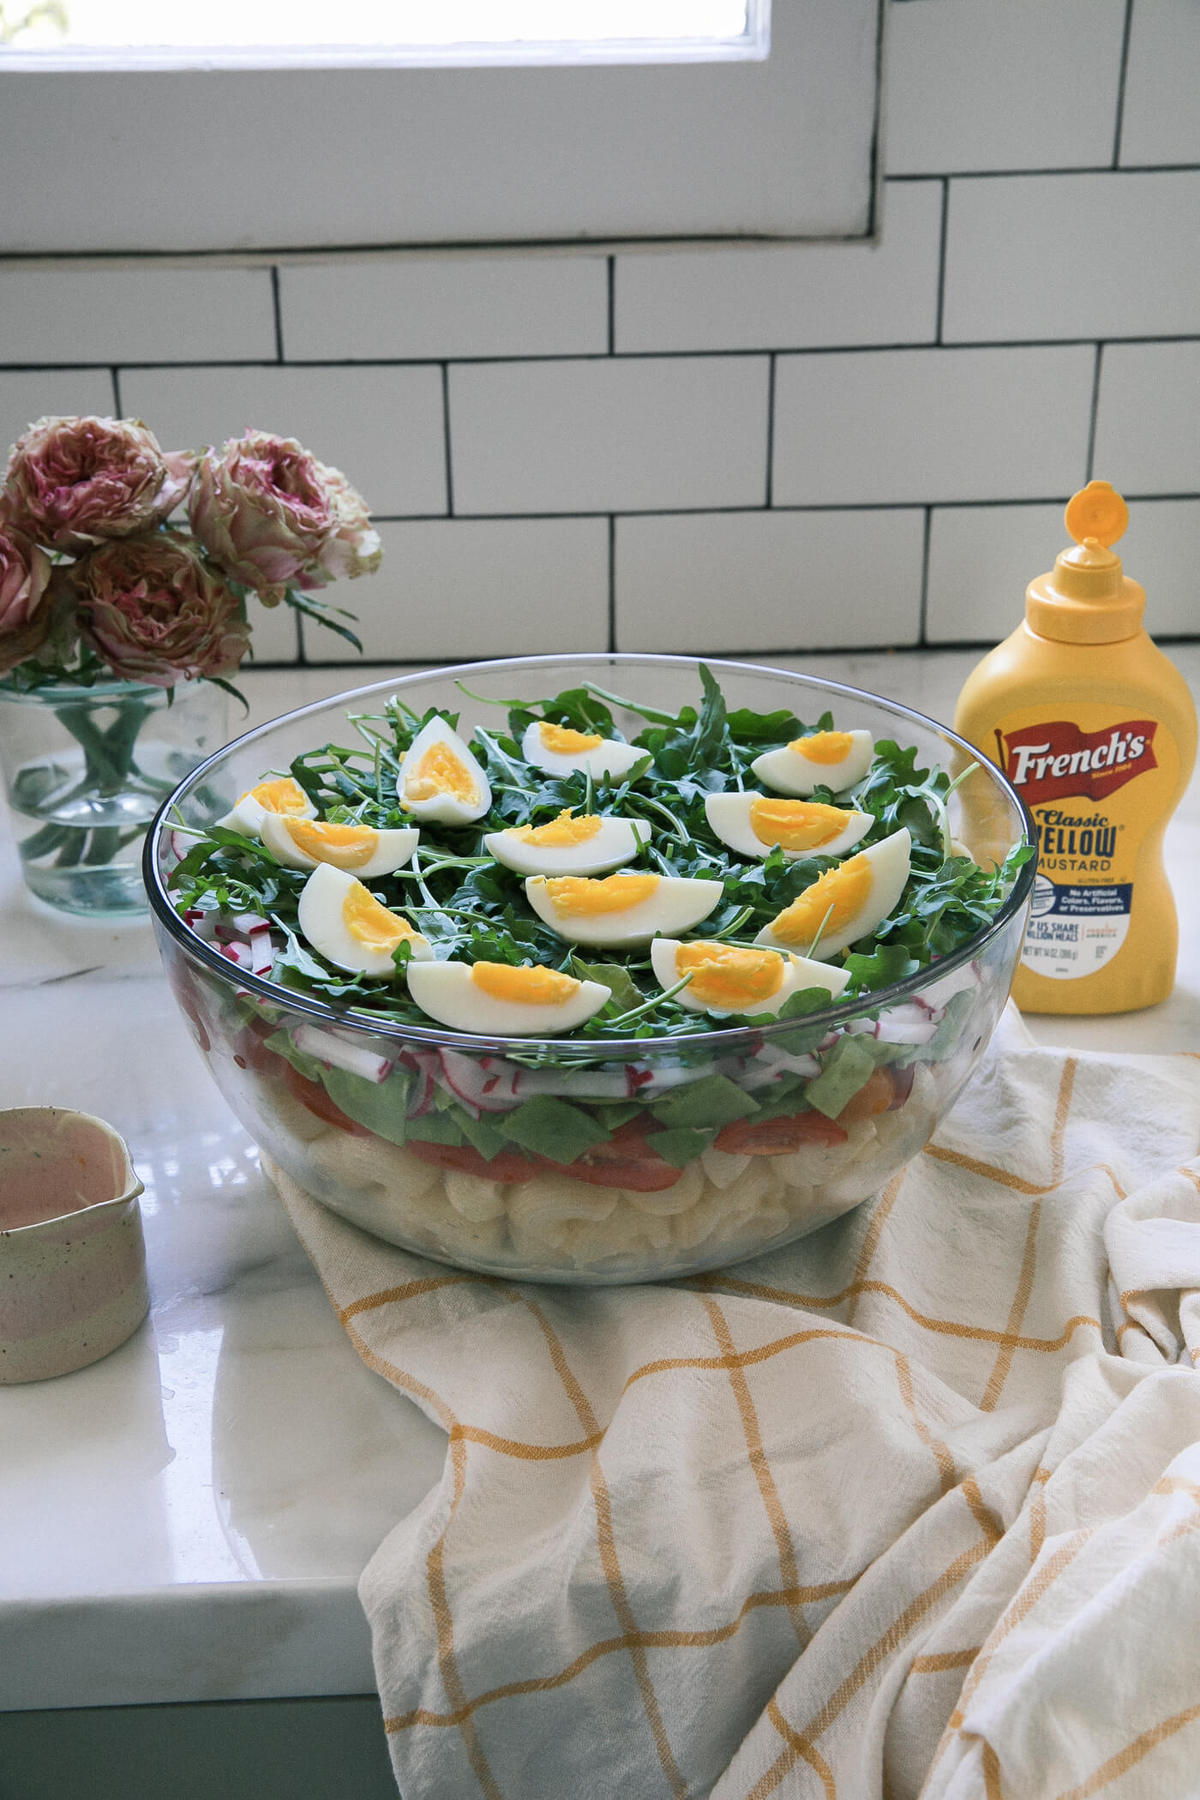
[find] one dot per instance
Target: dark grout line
(277, 310)
(1118, 127)
(948, 645)
(941, 274)
(1048, 174)
(772, 381)
(911, 345)
(115, 376)
(450, 513)
(702, 512)
(612, 581)
(923, 614)
(612, 305)
(1094, 414)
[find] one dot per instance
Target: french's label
(1094, 784)
(1050, 761)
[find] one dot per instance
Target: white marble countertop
(187, 1519)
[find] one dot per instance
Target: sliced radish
(239, 953)
(327, 1048)
(483, 1084)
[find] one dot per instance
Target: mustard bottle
(1096, 730)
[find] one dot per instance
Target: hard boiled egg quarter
(273, 794)
(727, 978)
(753, 824)
(502, 1001)
(561, 751)
(831, 759)
(851, 899)
(350, 927)
(568, 845)
(621, 909)
(364, 851)
(440, 780)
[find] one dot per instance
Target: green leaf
(553, 1128)
(625, 992)
(847, 1068)
(437, 1128)
(380, 1106)
(714, 1101)
(680, 1145)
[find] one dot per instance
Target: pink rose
(272, 516)
(156, 612)
(71, 483)
(24, 573)
(354, 548)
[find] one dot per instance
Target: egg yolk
(796, 824)
(582, 895)
(345, 846)
(560, 740)
(726, 976)
(840, 892)
(562, 832)
(441, 772)
(370, 923)
(279, 796)
(823, 746)
(537, 986)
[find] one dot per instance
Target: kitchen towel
(910, 1507)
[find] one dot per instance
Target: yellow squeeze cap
(1097, 511)
(1085, 598)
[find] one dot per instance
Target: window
(537, 153)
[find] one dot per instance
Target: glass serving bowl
(351, 1111)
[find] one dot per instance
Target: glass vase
(85, 770)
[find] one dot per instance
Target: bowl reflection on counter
(602, 1218)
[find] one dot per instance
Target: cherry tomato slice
(778, 1137)
(874, 1096)
(626, 1160)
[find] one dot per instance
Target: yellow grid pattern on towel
(856, 1520)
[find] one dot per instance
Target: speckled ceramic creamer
(72, 1259)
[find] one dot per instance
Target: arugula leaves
(473, 908)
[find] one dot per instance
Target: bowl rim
(726, 1041)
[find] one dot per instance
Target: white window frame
(603, 155)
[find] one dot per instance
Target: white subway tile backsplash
(791, 297)
(136, 314)
(1026, 84)
(48, 393)
(1073, 256)
(981, 560)
(273, 638)
(453, 589)
(903, 426)
(1161, 120)
(1148, 419)
(450, 306)
(767, 581)
(609, 435)
(383, 427)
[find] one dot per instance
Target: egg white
(799, 972)
(249, 812)
(449, 993)
(888, 862)
(443, 807)
(617, 841)
(729, 815)
(390, 850)
(322, 922)
(676, 904)
(789, 772)
(608, 757)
